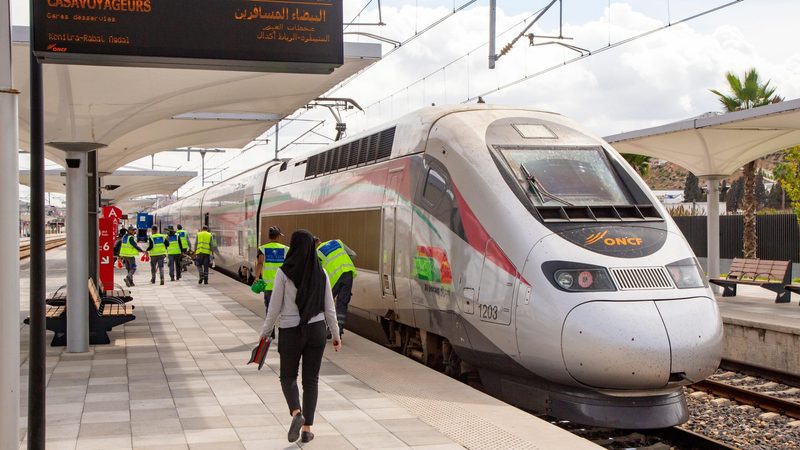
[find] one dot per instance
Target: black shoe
(162, 281)
(205, 281)
(294, 428)
(200, 281)
(306, 436)
(172, 278)
(127, 281)
(179, 278)
(132, 283)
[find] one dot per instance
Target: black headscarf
(303, 268)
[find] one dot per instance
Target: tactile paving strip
(444, 406)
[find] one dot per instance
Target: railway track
(665, 438)
(777, 376)
(25, 248)
(745, 396)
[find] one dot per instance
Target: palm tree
(746, 93)
(640, 163)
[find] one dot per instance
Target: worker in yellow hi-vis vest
(336, 259)
(203, 247)
(128, 251)
(270, 258)
(157, 247)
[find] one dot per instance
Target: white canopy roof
(717, 145)
(132, 111)
(122, 185)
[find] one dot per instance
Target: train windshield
(567, 176)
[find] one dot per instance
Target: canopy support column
(9, 227)
(712, 226)
(77, 254)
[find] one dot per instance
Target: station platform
(760, 331)
(176, 377)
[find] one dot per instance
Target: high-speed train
(497, 241)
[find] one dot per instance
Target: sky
(657, 79)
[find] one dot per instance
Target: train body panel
(503, 240)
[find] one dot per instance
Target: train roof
(421, 119)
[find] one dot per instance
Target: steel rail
(689, 440)
(25, 249)
(747, 397)
(777, 376)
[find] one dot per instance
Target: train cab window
(437, 197)
(435, 187)
(567, 176)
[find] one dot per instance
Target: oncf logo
(610, 241)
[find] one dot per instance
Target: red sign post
(108, 225)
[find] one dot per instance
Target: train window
(435, 186)
(567, 176)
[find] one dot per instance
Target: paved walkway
(177, 378)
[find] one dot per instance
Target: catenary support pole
(77, 257)
(9, 227)
(713, 228)
(92, 231)
(36, 359)
(492, 33)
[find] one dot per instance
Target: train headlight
(581, 280)
(565, 279)
(687, 273)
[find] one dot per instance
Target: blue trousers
(203, 263)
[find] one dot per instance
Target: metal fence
(778, 236)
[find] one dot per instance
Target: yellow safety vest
(335, 260)
(128, 250)
(159, 249)
(174, 248)
(274, 255)
(184, 238)
(204, 239)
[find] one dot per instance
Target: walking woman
(302, 301)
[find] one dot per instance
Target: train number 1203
(488, 312)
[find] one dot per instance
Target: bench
(768, 274)
(59, 297)
(104, 314)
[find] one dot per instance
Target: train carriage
(500, 241)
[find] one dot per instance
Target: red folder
(260, 352)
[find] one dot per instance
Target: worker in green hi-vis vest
(203, 247)
(128, 251)
(336, 260)
(270, 258)
(157, 248)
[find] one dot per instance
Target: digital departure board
(302, 36)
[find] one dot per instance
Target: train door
(496, 291)
(389, 238)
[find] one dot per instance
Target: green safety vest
(335, 260)
(159, 249)
(128, 250)
(174, 248)
(274, 255)
(204, 239)
(184, 238)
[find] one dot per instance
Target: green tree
(692, 192)
(777, 197)
(761, 191)
(734, 198)
(748, 92)
(788, 174)
(640, 163)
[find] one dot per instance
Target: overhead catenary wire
(602, 49)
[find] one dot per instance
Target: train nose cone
(627, 345)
